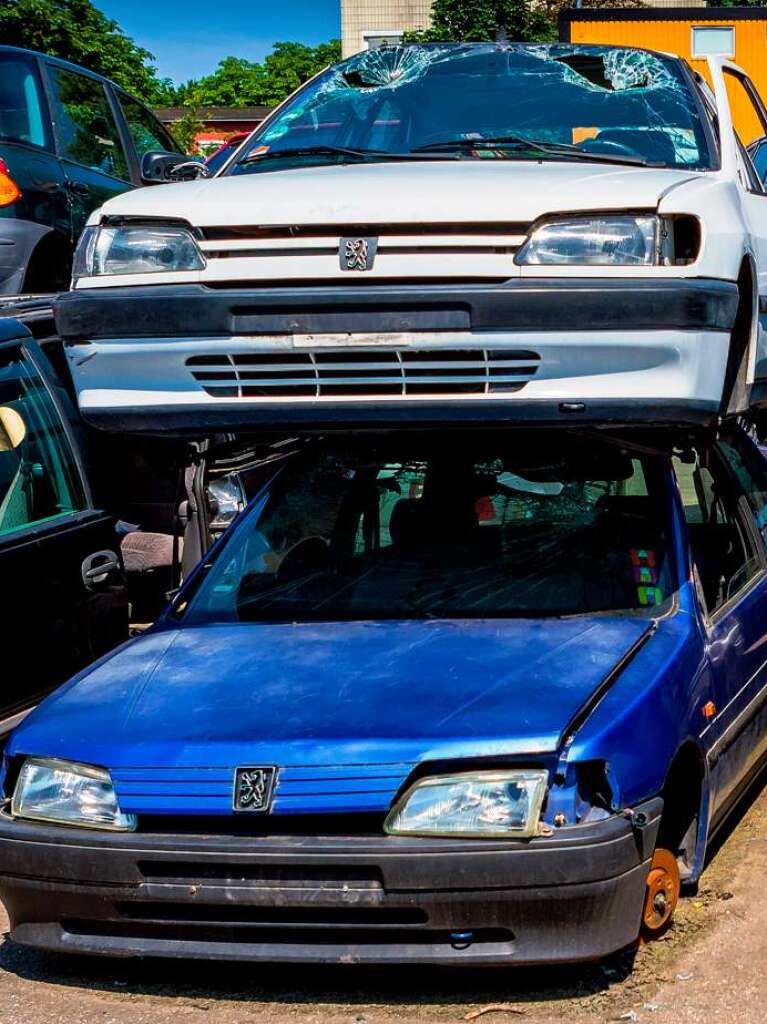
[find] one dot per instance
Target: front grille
(370, 372)
(426, 230)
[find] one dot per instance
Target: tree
(78, 31)
(485, 20)
(237, 82)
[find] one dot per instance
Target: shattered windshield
(423, 527)
(489, 101)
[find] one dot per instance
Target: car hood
(343, 709)
(401, 193)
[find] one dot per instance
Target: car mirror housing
(159, 166)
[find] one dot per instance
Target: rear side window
(39, 479)
(722, 549)
(22, 117)
(85, 125)
(146, 131)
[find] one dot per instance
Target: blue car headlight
(68, 794)
(482, 805)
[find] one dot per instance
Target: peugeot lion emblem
(357, 253)
(253, 788)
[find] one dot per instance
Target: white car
(476, 231)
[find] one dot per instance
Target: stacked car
(464, 347)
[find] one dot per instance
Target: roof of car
(54, 60)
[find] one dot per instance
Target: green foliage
(77, 31)
(485, 20)
(237, 82)
(736, 3)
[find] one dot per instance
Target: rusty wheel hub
(662, 893)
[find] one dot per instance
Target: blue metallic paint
(174, 711)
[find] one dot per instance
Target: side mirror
(158, 167)
(13, 430)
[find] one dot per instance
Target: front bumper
(182, 358)
(574, 896)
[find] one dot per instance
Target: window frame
(35, 360)
(756, 186)
(51, 67)
(744, 519)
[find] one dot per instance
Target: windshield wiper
(518, 142)
(347, 151)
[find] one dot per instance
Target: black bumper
(543, 304)
(577, 895)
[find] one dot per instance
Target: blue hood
(344, 709)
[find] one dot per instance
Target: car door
(63, 600)
(722, 492)
(91, 147)
(750, 117)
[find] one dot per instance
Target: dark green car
(69, 140)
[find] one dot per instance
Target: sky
(190, 37)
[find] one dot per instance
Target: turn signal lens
(9, 190)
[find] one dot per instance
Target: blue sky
(190, 37)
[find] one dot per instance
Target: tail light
(9, 190)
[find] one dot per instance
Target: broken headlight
(483, 805)
(66, 793)
(136, 249)
(620, 241)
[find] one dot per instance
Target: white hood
(428, 192)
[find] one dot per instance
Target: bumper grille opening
(293, 936)
(275, 875)
(369, 372)
(339, 824)
(324, 917)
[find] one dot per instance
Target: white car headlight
(136, 249)
(620, 241)
(492, 805)
(68, 794)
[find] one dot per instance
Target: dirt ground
(710, 967)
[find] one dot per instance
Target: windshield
(597, 102)
(414, 528)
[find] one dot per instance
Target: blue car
(437, 696)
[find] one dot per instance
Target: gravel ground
(709, 967)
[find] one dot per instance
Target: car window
(22, 117)
(39, 479)
(596, 100)
(759, 158)
(748, 465)
(146, 131)
(722, 549)
(444, 527)
(749, 119)
(85, 126)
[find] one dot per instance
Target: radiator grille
(385, 372)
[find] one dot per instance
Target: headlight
(490, 805)
(593, 241)
(68, 794)
(135, 249)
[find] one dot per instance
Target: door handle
(96, 568)
(77, 188)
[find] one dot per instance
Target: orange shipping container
(739, 33)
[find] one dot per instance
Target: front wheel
(662, 895)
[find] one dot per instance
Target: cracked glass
(489, 100)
